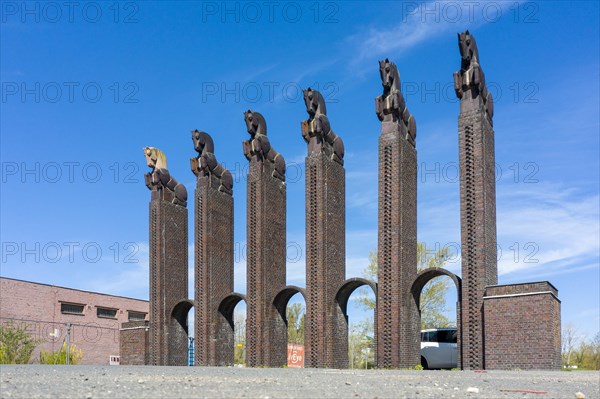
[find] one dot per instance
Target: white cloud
(418, 23)
(546, 229)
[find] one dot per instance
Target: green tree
(360, 344)
(239, 331)
(295, 318)
(578, 351)
(60, 356)
(16, 345)
(433, 296)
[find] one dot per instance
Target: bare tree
(569, 341)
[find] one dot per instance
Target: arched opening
(360, 309)
(232, 329)
(291, 306)
(178, 333)
(239, 334)
(440, 317)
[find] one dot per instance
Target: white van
(439, 349)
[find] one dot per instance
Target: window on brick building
(137, 316)
(71, 308)
(106, 312)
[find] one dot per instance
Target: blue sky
(85, 86)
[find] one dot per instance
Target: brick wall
(38, 308)
(522, 326)
(134, 343)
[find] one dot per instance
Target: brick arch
(348, 287)
(341, 298)
(429, 274)
(178, 333)
(228, 304)
(283, 297)
(180, 312)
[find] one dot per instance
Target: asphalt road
(34, 381)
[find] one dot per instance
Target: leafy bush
(16, 345)
(60, 356)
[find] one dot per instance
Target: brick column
(325, 331)
(397, 313)
(397, 318)
(266, 331)
(168, 275)
(213, 247)
(477, 198)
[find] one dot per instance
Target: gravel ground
(33, 381)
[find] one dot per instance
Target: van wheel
(424, 363)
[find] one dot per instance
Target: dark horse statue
(159, 177)
(205, 164)
(469, 81)
(316, 130)
(390, 105)
(258, 147)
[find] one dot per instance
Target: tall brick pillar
(398, 340)
(477, 198)
(325, 328)
(213, 246)
(266, 330)
(168, 260)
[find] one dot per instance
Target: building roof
(74, 289)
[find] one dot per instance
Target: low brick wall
(522, 326)
(134, 343)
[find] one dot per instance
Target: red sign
(295, 355)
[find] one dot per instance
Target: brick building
(45, 309)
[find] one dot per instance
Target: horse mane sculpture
(259, 147)
(316, 130)
(390, 105)
(160, 179)
(469, 81)
(205, 164)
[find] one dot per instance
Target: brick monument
(398, 326)
(477, 197)
(325, 328)
(266, 329)
(168, 261)
(213, 246)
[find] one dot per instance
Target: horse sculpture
(160, 178)
(316, 130)
(390, 106)
(469, 81)
(258, 147)
(205, 164)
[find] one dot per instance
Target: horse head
(468, 49)
(202, 142)
(390, 78)
(314, 102)
(255, 123)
